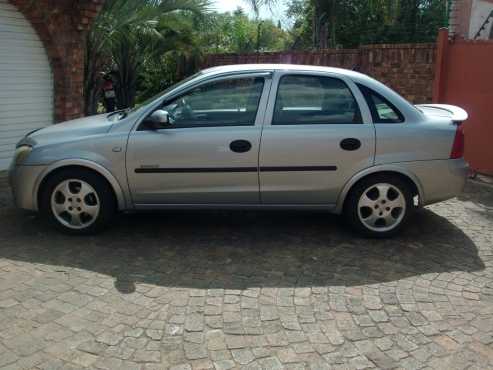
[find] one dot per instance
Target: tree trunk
(320, 27)
(316, 25)
(91, 87)
(324, 36)
(333, 23)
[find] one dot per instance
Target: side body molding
(376, 169)
(123, 203)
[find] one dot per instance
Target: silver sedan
(249, 137)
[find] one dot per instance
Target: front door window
(231, 102)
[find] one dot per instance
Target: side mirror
(157, 120)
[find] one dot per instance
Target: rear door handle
(350, 144)
(240, 146)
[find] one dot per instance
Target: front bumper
(24, 183)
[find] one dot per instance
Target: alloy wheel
(381, 207)
(75, 204)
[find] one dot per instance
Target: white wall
(26, 81)
(479, 13)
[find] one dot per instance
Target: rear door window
(314, 100)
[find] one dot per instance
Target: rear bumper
(440, 179)
(23, 182)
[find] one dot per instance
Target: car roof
(277, 67)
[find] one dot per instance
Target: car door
(209, 152)
(318, 134)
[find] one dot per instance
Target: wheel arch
(406, 175)
(81, 164)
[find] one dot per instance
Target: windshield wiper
(122, 112)
(115, 112)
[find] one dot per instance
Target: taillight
(458, 146)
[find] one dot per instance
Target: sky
(277, 13)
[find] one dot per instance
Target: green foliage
(148, 44)
(236, 33)
(349, 23)
(129, 36)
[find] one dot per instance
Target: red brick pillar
(62, 26)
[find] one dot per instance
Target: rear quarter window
(382, 111)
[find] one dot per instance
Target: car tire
(77, 202)
(379, 206)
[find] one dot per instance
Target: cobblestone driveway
(249, 290)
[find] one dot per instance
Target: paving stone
(396, 354)
(243, 356)
(110, 338)
(360, 362)
(268, 313)
(193, 337)
(92, 347)
(381, 360)
(194, 322)
(366, 346)
(7, 357)
(287, 355)
(270, 363)
(7, 303)
(277, 340)
(181, 367)
(384, 343)
(195, 351)
(108, 363)
(220, 355)
(216, 340)
(203, 364)
(378, 316)
(141, 355)
(224, 365)
(235, 341)
(447, 343)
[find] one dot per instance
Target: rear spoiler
(456, 114)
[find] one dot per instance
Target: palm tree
(127, 33)
(256, 6)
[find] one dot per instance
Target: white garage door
(26, 82)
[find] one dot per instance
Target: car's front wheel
(77, 201)
(379, 206)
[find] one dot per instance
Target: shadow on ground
(237, 250)
(478, 199)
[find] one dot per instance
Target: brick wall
(407, 68)
(347, 58)
(456, 15)
(62, 26)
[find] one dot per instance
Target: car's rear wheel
(379, 206)
(78, 201)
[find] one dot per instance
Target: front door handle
(350, 144)
(240, 146)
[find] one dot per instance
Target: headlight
(21, 153)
